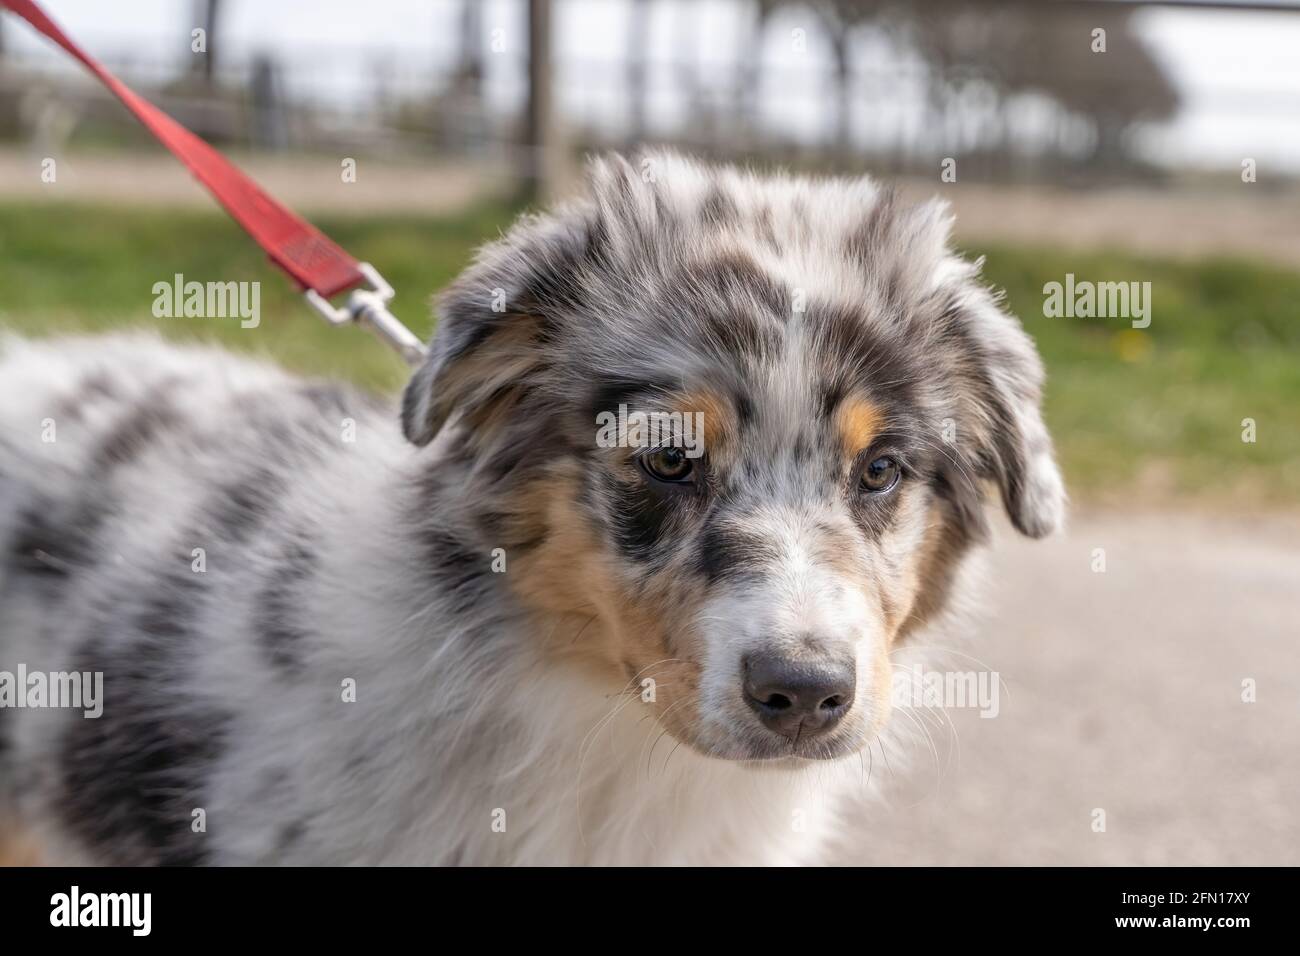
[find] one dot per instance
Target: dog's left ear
(1003, 375)
(494, 323)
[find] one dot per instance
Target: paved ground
(311, 184)
(1253, 220)
(1123, 692)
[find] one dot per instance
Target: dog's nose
(799, 698)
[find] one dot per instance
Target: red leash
(319, 267)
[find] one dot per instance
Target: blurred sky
(1238, 71)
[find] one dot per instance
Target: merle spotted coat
(461, 631)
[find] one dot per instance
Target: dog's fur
(581, 704)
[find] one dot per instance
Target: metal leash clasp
(369, 307)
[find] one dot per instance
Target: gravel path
(1123, 691)
(309, 184)
(1257, 220)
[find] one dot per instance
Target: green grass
(1139, 416)
(66, 268)
(1157, 413)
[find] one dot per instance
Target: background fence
(1011, 90)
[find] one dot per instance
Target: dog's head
(744, 425)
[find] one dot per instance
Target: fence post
(206, 13)
(535, 160)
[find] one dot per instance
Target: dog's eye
(880, 476)
(668, 464)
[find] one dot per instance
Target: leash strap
(319, 267)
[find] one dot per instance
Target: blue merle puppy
(469, 631)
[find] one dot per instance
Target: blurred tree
(468, 79)
(458, 118)
(638, 29)
(269, 128)
(536, 161)
(685, 67)
(1018, 47)
(750, 81)
(998, 50)
(205, 14)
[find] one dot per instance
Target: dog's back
(151, 496)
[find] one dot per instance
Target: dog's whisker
(925, 735)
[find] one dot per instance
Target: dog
(524, 627)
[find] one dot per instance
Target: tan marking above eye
(857, 422)
(719, 421)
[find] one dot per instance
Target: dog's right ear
(494, 324)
